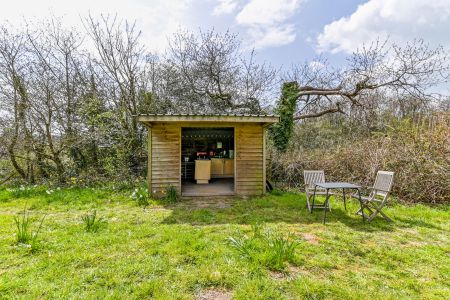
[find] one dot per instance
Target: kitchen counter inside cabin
(206, 169)
(202, 171)
(222, 167)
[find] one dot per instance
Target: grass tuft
(267, 249)
(92, 223)
(25, 236)
(281, 250)
(171, 194)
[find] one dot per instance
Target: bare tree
(209, 72)
(55, 56)
(14, 100)
(409, 71)
(122, 64)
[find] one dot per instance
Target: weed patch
(25, 235)
(92, 222)
(171, 194)
(268, 249)
(140, 195)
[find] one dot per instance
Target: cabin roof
(209, 118)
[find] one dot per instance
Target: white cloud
(264, 37)
(225, 7)
(156, 19)
(267, 22)
(316, 65)
(400, 20)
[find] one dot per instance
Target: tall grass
(281, 250)
(269, 250)
(171, 194)
(24, 233)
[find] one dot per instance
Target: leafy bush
(92, 223)
(140, 195)
(25, 236)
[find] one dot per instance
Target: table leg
(361, 203)
(345, 204)
(314, 197)
(325, 206)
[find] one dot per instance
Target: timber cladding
(164, 164)
(165, 157)
(249, 159)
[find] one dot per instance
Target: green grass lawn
(236, 248)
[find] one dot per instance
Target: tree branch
(319, 114)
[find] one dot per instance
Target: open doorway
(207, 161)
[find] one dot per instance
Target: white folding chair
(311, 177)
(378, 196)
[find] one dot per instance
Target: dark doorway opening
(207, 161)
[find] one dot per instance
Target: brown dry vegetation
(419, 154)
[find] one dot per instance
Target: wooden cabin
(207, 155)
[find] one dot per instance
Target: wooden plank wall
(249, 159)
(165, 157)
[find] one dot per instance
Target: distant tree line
(69, 98)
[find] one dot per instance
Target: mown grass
(177, 251)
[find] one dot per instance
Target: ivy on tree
(282, 131)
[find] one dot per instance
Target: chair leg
(386, 217)
(378, 211)
(308, 205)
(364, 205)
(314, 198)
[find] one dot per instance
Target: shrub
(140, 195)
(418, 154)
(24, 234)
(92, 223)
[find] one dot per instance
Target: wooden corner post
(149, 160)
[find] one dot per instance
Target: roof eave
(266, 119)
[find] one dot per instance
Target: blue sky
(308, 20)
(284, 32)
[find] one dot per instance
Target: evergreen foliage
(281, 132)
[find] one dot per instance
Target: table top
(337, 185)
